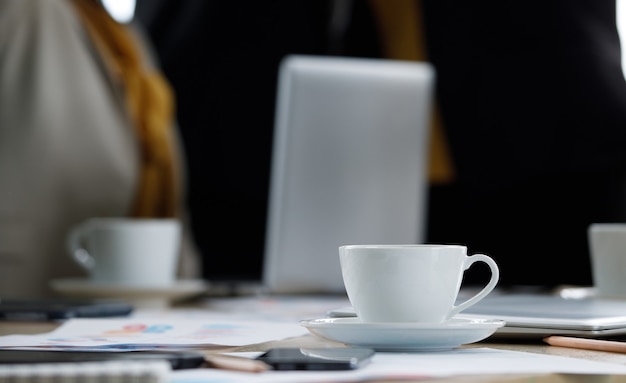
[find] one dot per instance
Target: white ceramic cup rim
(130, 220)
(414, 246)
(607, 226)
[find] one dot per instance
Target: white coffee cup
(126, 251)
(409, 283)
(607, 246)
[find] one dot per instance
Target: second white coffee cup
(127, 252)
(607, 244)
(409, 283)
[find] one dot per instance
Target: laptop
(348, 165)
(531, 315)
(541, 315)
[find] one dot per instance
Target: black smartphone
(344, 358)
(61, 308)
(177, 359)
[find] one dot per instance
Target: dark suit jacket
(533, 100)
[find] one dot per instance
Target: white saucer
(404, 336)
(141, 297)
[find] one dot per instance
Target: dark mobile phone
(322, 359)
(61, 308)
(178, 360)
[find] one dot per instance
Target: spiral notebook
(101, 372)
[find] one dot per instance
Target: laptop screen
(348, 165)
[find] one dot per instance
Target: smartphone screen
(178, 360)
(348, 358)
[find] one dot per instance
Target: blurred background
(528, 132)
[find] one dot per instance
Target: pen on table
(586, 343)
(235, 363)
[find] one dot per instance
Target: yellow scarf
(402, 33)
(149, 101)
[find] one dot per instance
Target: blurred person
(531, 98)
(86, 130)
(533, 102)
(222, 59)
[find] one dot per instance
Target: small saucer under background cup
(409, 283)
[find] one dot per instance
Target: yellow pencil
(586, 344)
(235, 363)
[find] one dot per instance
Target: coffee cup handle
(495, 276)
(78, 253)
